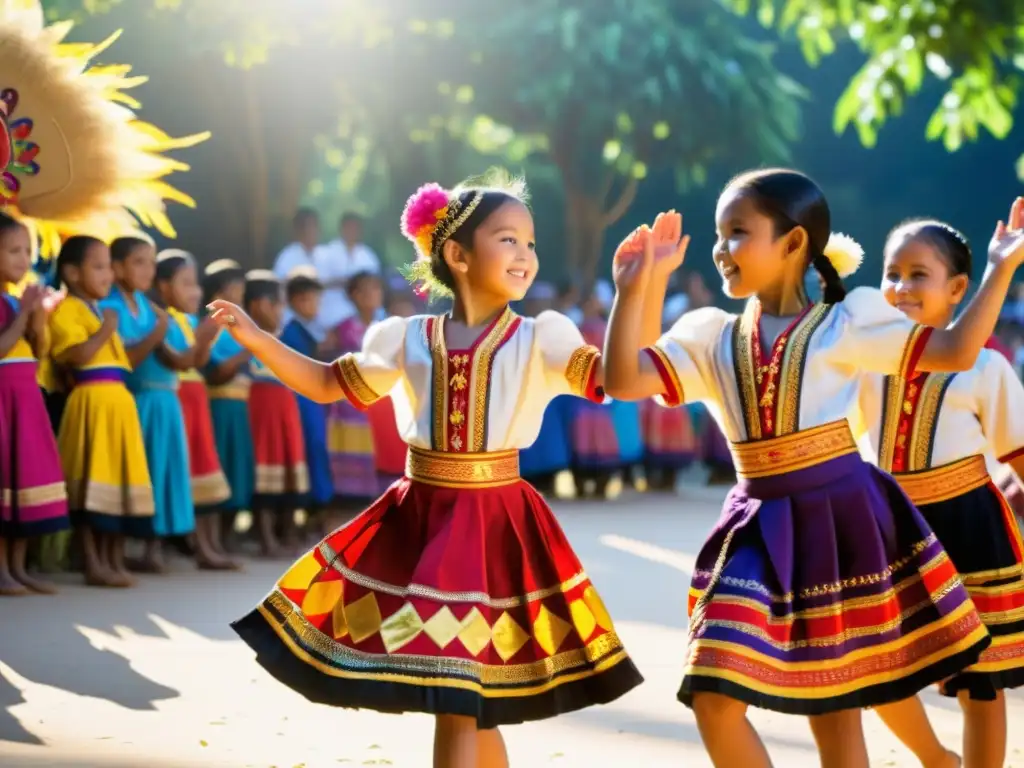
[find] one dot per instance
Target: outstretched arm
(956, 348)
(310, 378)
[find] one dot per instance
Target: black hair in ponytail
(791, 199)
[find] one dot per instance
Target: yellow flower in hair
(845, 253)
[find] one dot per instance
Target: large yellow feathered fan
(74, 158)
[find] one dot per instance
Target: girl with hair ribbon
(456, 593)
(941, 435)
(822, 589)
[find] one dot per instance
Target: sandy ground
(155, 677)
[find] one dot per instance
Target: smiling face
(749, 255)
(917, 280)
(15, 254)
(503, 262)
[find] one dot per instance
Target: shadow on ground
(47, 640)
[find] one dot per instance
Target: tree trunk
(584, 230)
(588, 216)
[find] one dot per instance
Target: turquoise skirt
(233, 436)
(163, 432)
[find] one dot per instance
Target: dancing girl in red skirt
(456, 593)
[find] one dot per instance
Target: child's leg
(840, 739)
(96, 554)
(455, 742)
(19, 552)
(728, 736)
(116, 560)
(490, 749)
(266, 522)
(154, 557)
(207, 556)
(9, 586)
(984, 731)
(909, 723)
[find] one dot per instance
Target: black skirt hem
(869, 696)
(14, 529)
(398, 697)
(983, 686)
(279, 502)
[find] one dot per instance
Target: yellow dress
(100, 438)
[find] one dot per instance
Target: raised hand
(163, 321)
(631, 267)
(231, 316)
(31, 299)
(669, 243)
(52, 298)
(1007, 245)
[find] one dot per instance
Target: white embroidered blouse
(807, 378)
(489, 397)
(934, 419)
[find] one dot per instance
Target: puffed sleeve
(370, 374)
(684, 355)
(1001, 407)
(68, 328)
(176, 338)
(872, 335)
(570, 363)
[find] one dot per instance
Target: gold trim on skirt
(462, 470)
(931, 486)
(789, 453)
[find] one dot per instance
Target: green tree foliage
(602, 94)
(612, 91)
(974, 47)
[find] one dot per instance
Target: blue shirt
(133, 327)
(224, 348)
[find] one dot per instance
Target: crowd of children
(166, 429)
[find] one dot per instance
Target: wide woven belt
(236, 389)
(931, 486)
(789, 453)
(462, 470)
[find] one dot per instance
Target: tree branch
(626, 197)
(606, 186)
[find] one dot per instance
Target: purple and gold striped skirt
(822, 588)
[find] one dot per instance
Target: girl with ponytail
(822, 589)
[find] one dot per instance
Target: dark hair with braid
(948, 242)
(791, 199)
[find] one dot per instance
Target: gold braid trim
(580, 366)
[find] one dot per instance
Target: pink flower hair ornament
(426, 208)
